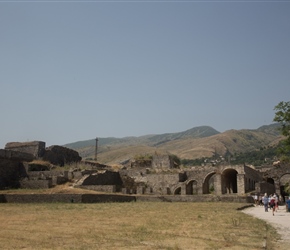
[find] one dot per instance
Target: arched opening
(208, 184)
(271, 181)
(229, 185)
(191, 187)
(284, 182)
(177, 191)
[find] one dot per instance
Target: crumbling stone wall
(58, 155)
(15, 156)
(46, 178)
(9, 173)
(274, 173)
(35, 184)
(12, 168)
(101, 188)
(163, 183)
(141, 163)
(162, 161)
(103, 178)
(36, 148)
(264, 187)
(252, 177)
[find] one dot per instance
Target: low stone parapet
(64, 198)
(36, 184)
(196, 198)
(100, 188)
(100, 198)
(42, 198)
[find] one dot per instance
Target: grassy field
(135, 225)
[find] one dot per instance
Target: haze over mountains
(197, 142)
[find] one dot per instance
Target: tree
(282, 116)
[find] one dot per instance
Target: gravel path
(281, 220)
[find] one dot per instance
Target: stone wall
(101, 188)
(12, 168)
(101, 198)
(162, 162)
(103, 178)
(15, 156)
(214, 199)
(52, 178)
(251, 178)
(64, 198)
(163, 183)
(58, 155)
(36, 148)
(35, 184)
(265, 187)
(9, 174)
(39, 198)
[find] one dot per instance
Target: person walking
(256, 199)
(265, 200)
(272, 204)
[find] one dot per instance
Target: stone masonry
(36, 148)
(158, 177)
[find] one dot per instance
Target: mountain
(197, 142)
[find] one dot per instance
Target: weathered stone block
(15, 155)
(36, 148)
(35, 184)
(61, 155)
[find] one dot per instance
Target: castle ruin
(158, 176)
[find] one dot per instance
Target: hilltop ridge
(197, 142)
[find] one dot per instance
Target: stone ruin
(12, 168)
(35, 148)
(157, 176)
(18, 169)
(56, 155)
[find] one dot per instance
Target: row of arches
(279, 184)
(228, 184)
(229, 181)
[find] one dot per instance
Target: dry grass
(135, 225)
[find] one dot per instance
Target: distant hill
(197, 142)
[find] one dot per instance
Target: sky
(76, 70)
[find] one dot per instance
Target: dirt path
(281, 221)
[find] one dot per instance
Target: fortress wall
(36, 148)
(10, 172)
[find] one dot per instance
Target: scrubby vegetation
(256, 158)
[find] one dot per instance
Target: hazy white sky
(76, 70)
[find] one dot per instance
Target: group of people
(270, 202)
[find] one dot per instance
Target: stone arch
(229, 181)
(208, 183)
(284, 179)
(271, 181)
(274, 174)
(191, 187)
(177, 191)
